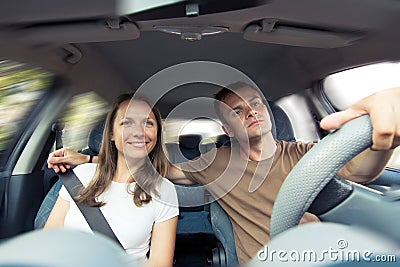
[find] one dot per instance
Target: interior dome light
(191, 33)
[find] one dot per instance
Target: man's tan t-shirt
(227, 177)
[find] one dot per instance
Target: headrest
(284, 128)
(189, 141)
(222, 139)
(95, 137)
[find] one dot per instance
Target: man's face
(246, 116)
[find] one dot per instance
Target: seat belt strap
(93, 215)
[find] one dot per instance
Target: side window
(347, 87)
(82, 114)
(21, 87)
(299, 113)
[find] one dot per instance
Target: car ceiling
(30, 32)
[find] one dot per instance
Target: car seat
(195, 238)
(284, 128)
(94, 142)
(94, 139)
(186, 149)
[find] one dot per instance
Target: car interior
(287, 48)
(194, 224)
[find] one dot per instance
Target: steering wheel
(314, 171)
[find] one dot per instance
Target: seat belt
(93, 215)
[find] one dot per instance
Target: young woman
(140, 206)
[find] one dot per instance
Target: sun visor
(80, 32)
(272, 32)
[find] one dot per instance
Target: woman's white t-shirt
(131, 224)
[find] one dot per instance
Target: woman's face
(134, 130)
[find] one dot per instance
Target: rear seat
(186, 149)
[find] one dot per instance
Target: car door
(31, 99)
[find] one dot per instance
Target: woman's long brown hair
(148, 176)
